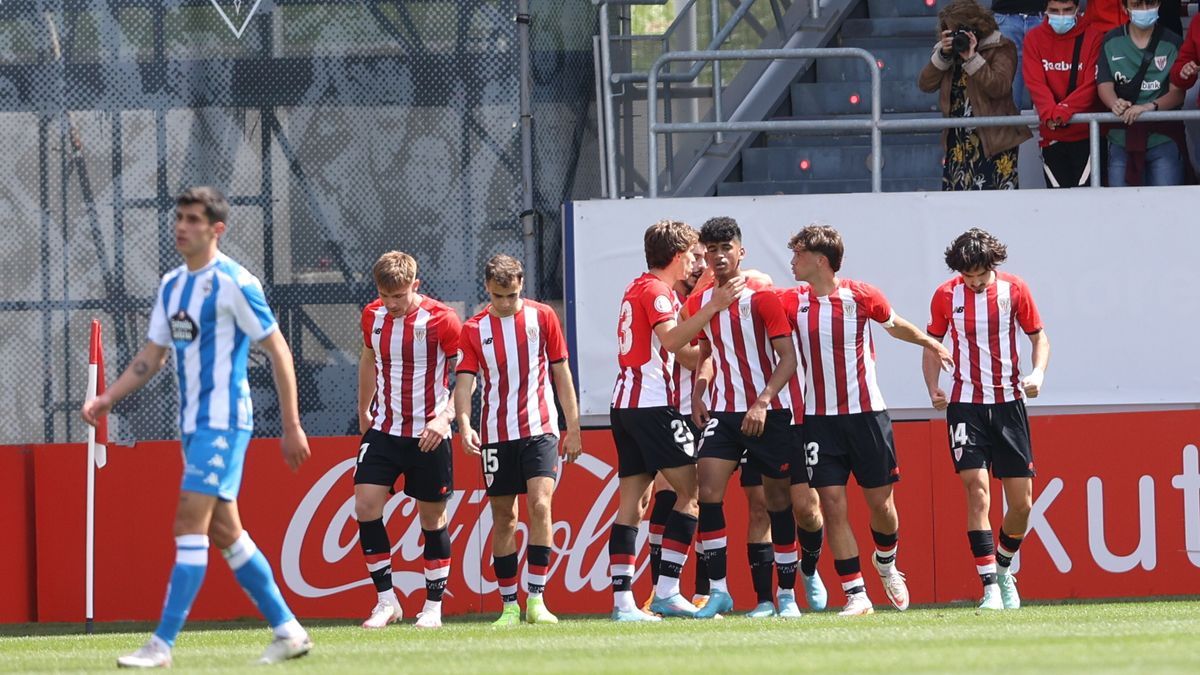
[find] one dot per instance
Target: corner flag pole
(97, 457)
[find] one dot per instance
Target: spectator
(1107, 15)
(1104, 15)
(1059, 64)
(1132, 72)
(1183, 73)
(975, 79)
(1015, 19)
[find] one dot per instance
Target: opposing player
(207, 312)
(753, 360)
(410, 342)
(847, 428)
(517, 345)
(981, 308)
(650, 434)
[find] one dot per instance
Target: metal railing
(869, 125)
(721, 33)
(876, 125)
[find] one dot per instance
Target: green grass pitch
(1133, 637)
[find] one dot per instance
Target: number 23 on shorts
(683, 436)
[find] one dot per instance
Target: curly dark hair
(720, 230)
(975, 249)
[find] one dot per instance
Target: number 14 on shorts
(958, 435)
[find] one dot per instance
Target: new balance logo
(212, 480)
(488, 341)
(220, 443)
(378, 331)
(804, 310)
(216, 462)
(959, 310)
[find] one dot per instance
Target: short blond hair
(394, 270)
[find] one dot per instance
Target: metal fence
(876, 124)
(338, 129)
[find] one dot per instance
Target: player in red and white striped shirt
(518, 346)
(749, 413)
(982, 309)
(846, 425)
(649, 433)
(404, 408)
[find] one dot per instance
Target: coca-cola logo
(320, 556)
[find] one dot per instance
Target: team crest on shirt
(418, 333)
(183, 329)
(532, 331)
(850, 311)
(206, 289)
(1005, 304)
(1160, 62)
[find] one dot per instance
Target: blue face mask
(1143, 18)
(1061, 24)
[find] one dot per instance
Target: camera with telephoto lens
(960, 40)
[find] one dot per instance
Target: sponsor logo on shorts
(211, 479)
(192, 470)
(220, 443)
(216, 462)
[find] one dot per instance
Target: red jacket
(1046, 65)
(1105, 15)
(1190, 51)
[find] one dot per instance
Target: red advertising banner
(1116, 513)
(17, 603)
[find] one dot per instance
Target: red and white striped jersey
(743, 358)
(646, 366)
(412, 364)
(837, 351)
(683, 381)
(796, 384)
(514, 355)
(983, 331)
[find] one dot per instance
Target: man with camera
(972, 67)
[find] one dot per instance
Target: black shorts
(507, 466)
(991, 435)
(651, 439)
(771, 454)
(858, 443)
(382, 458)
(801, 473)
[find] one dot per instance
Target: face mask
(1143, 18)
(1062, 24)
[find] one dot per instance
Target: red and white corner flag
(97, 435)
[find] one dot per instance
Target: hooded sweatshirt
(1047, 69)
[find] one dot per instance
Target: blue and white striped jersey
(210, 316)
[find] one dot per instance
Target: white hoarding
(1114, 273)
